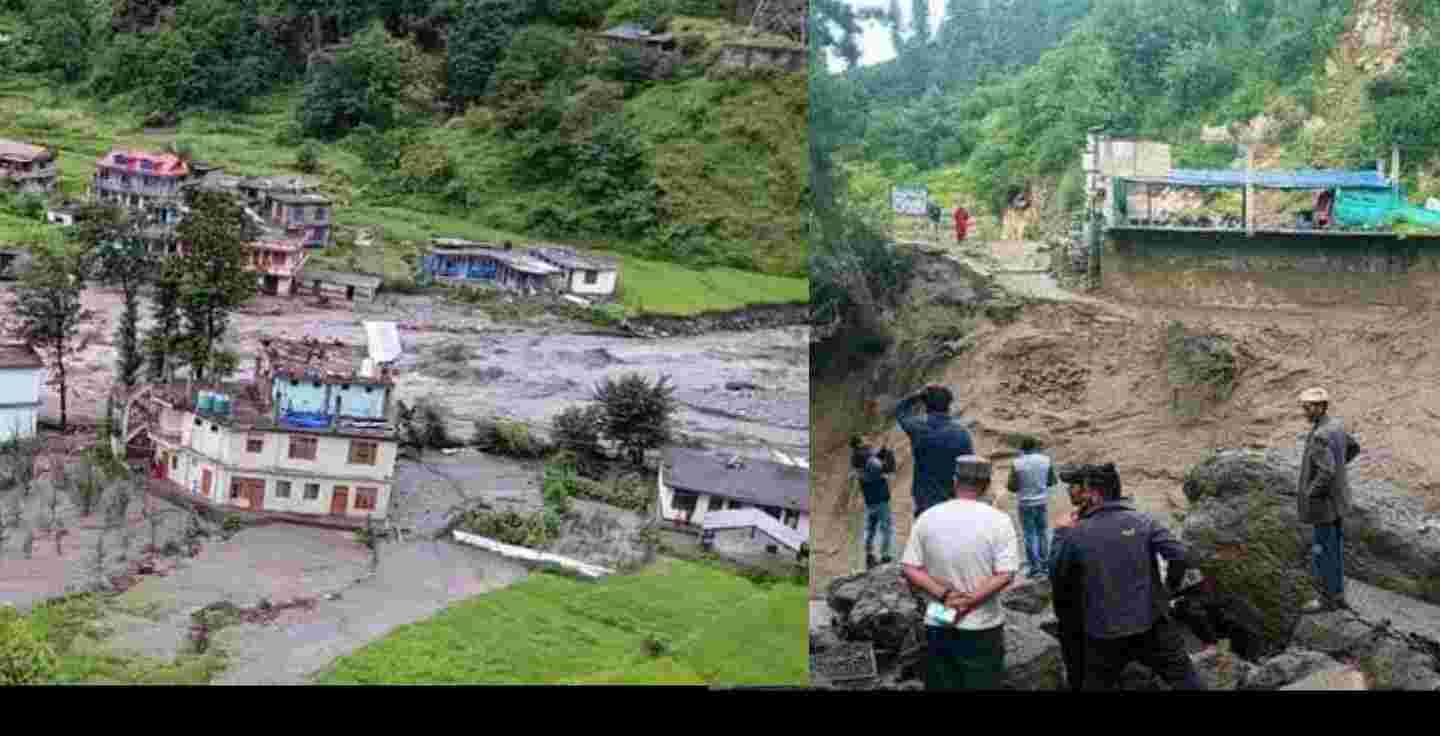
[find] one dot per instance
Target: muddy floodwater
(743, 390)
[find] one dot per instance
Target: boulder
(877, 606)
(1390, 541)
(1288, 667)
(1028, 596)
(1331, 678)
(1032, 654)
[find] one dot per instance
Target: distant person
(1108, 566)
(1323, 201)
(962, 224)
(961, 554)
(1323, 496)
(872, 465)
(935, 213)
(935, 441)
(1031, 479)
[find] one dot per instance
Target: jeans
(1327, 559)
(1037, 542)
(1162, 649)
(958, 659)
(878, 519)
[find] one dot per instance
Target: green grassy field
(36, 111)
(705, 626)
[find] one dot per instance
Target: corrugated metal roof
(754, 518)
(750, 480)
(1268, 179)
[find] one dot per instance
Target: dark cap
(1101, 477)
(971, 468)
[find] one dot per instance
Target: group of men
(1110, 600)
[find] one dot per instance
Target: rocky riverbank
(760, 317)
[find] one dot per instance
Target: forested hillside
(482, 117)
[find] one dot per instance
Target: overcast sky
(875, 45)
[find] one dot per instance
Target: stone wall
(789, 59)
(750, 546)
(1230, 269)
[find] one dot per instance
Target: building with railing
(312, 434)
(143, 182)
(276, 262)
(29, 169)
(453, 260)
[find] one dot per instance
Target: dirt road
(1089, 376)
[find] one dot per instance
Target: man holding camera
(936, 440)
(1106, 567)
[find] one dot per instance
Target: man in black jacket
(1108, 564)
(871, 466)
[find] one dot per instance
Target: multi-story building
(28, 168)
(311, 434)
(276, 262)
(453, 260)
(304, 216)
(21, 373)
(143, 182)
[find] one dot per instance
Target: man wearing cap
(1107, 565)
(1323, 496)
(871, 466)
(1069, 613)
(961, 554)
(936, 440)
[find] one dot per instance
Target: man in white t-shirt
(962, 553)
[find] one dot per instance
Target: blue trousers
(879, 521)
(1033, 524)
(1327, 559)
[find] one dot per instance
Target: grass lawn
(711, 627)
(33, 110)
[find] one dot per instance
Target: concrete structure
(21, 374)
(749, 56)
(310, 435)
(692, 484)
(453, 260)
(276, 262)
(585, 275)
(9, 258)
(303, 216)
(337, 285)
(140, 181)
(62, 214)
(750, 535)
(29, 169)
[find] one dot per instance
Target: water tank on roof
(222, 405)
(205, 402)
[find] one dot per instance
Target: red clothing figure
(962, 224)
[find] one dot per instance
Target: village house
(63, 213)
(585, 275)
(693, 485)
(750, 535)
(633, 36)
(311, 434)
(453, 260)
(276, 262)
(303, 216)
(337, 285)
(21, 374)
(143, 182)
(29, 169)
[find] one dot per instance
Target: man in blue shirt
(871, 465)
(1031, 480)
(936, 440)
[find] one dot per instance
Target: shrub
(24, 658)
(231, 524)
(509, 527)
(578, 429)
(307, 159)
(513, 439)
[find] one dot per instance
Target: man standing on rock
(936, 440)
(1107, 565)
(961, 554)
(1031, 480)
(871, 465)
(1324, 496)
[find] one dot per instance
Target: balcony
(113, 184)
(48, 172)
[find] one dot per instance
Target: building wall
(20, 385)
(735, 55)
(355, 401)
(17, 421)
(604, 284)
(1229, 269)
(704, 503)
(749, 545)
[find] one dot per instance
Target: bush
(25, 659)
(307, 159)
(522, 530)
(232, 524)
(512, 439)
(423, 425)
(578, 429)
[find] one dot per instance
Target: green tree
(214, 278)
(231, 59)
(164, 340)
(62, 31)
(578, 430)
(476, 44)
(47, 303)
(638, 414)
(122, 259)
(362, 84)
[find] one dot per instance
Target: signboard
(1135, 158)
(909, 200)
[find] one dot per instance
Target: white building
(309, 436)
(694, 484)
(584, 275)
(21, 374)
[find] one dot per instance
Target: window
(214, 428)
(362, 453)
(592, 277)
(198, 422)
(684, 501)
(772, 548)
(174, 461)
(303, 448)
(792, 519)
(772, 511)
(282, 489)
(254, 444)
(365, 499)
(234, 489)
(312, 491)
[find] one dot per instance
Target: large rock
(877, 606)
(1390, 541)
(1286, 668)
(1331, 678)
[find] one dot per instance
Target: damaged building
(723, 498)
(27, 168)
(312, 434)
(453, 260)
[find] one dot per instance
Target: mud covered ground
(527, 372)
